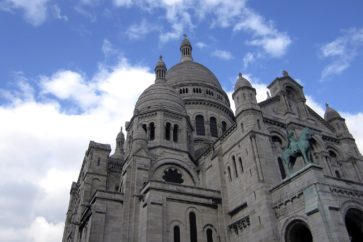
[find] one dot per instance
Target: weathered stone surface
(192, 169)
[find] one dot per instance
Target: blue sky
(71, 71)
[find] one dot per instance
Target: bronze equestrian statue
(296, 148)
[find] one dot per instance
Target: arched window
(176, 234)
(193, 227)
(235, 166)
(224, 126)
(229, 173)
(152, 131)
(175, 133)
(144, 127)
(199, 125)
(209, 235)
(213, 127)
(240, 163)
(167, 131)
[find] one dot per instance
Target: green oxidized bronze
(295, 148)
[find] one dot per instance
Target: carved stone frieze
(346, 192)
(240, 225)
(289, 205)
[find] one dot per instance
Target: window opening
(209, 235)
(213, 127)
(152, 131)
(167, 131)
(199, 123)
(193, 227)
(175, 133)
(176, 234)
(240, 163)
(235, 166)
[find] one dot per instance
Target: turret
(341, 130)
(244, 95)
(119, 151)
(160, 71)
(248, 112)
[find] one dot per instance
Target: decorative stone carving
(240, 225)
(173, 175)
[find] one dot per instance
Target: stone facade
(192, 170)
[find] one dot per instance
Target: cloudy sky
(71, 71)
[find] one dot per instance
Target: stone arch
(294, 89)
(298, 231)
(178, 164)
(287, 222)
(354, 224)
(198, 220)
(214, 233)
(181, 225)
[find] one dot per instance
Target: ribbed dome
(330, 113)
(242, 82)
(159, 96)
(191, 72)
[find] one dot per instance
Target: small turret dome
(242, 82)
(160, 95)
(330, 113)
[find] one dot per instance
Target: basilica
(188, 168)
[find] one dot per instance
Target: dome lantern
(186, 50)
(160, 70)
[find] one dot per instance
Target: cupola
(186, 50)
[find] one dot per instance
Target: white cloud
(40, 230)
(341, 52)
(222, 54)
(248, 59)
(264, 34)
(201, 45)
(183, 15)
(57, 13)
(121, 3)
(46, 144)
(138, 31)
(354, 123)
(35, 11)
(70, 85)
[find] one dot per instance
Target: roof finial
(160, 70)
(240, 75)
(186, 49)
(326, 105)
(285, 73)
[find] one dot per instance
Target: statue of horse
(296, 148)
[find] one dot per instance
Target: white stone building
(192, 170)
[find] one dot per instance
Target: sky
(72, 70)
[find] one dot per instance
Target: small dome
(242, 82)
(330, 113)
(159, 96)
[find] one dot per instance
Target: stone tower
(191, 170)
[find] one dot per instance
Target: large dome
(159, 96)
(188, 72)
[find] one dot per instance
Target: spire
(160, 70)
(186, 50)
(120, 141)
